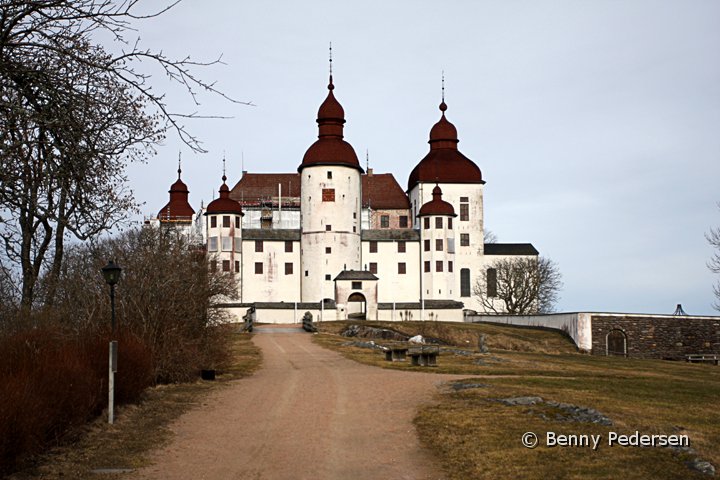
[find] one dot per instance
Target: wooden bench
(701, 357)
(395, 354)
(425, 356)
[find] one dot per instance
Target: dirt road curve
(308, 413)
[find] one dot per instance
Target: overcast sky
(596, 124)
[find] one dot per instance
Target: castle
(346, 243)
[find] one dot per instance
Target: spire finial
(367, 159)
(224, 177)
(443, 107)
(330, 85)
(179, 163)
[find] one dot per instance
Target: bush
(54, 381)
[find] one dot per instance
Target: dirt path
(308, 413)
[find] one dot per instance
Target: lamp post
(111, 273)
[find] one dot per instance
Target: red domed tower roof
(437, 206)
(330, 148)
(224, 204)
(444, 163)
(178, 209)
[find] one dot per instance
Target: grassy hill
(476, 435)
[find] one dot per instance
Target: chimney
(369, 172)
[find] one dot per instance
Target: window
(258, 245)
(450, 267)
(237, 222)
(384, 221)
(491, 282)
(213, 221)
(258, 268)
(354, 229)
(464, 212)
(403, 221)
(401, 247)
(213, 266)
(464, 239)
(439, 266)
(449, 223)
(266, 223)
(451, 245)
(288, 246)
(226, 221)
(328, 228)
(373, 268)
(328, 250)
(426, 245)
(328, 194)
(306, 273)
(357, 285)
(329, 175)
(426, 223)
(212, 244)
(438, 222)
(354, 214)
(226, 244)
(226, 265)
(238, 244)
(438, 244)
(464, 282)
(373, 246)
(427, 266)
(288, 269)
(327, 277)
(237, 266)
(402, 269)
(464, 199)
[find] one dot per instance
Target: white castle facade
(343, 242)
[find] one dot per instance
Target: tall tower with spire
(177, 212)
(331, 203)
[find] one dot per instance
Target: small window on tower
(258, 245)
(403, 221)
(226, 265)
(491, 282)
(450, 266)
(438, 244)
(328, 250)
(213, 266)
(464, 212)
(226, 221)
(212, 244)
(329, 175)
(426, 245)
(384, 221)
(464, 239)
(237, 222)
(449, 223)
(328, 195)
(373, 246)
(401, 247)
(402, 269)
(288, 246)
(226, 244)
(426, 266)
(426, 223)
(439, 266)
(464, 199)
(357, 285)
(237, 266)
(327, 277)
(258, 268)
(438, 222)
(373, 268)
(288, 269)
(328, 228)
(213, 221)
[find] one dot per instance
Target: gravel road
(308, 413)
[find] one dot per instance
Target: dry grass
(475, 436)
(138, 428)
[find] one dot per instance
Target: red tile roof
(437, 206)
(380, 191)
(178, 208)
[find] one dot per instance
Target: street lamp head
(111, 272)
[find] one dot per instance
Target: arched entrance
(357, 306)
(616, 343)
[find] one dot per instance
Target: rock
(416, 339)
(521, 401)
(482, 346)
(373, 332)
(457, 386)
(702, 466)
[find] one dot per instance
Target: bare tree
(519, 286)
(72, 114)
(713, 237)
(489, 236)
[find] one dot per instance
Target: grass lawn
(138, 429)
(476, 436)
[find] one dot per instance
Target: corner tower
(330, 205)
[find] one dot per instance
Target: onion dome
(330, 148)
(178, 209)
(437, 206)
(444, 163)
(224, 204)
